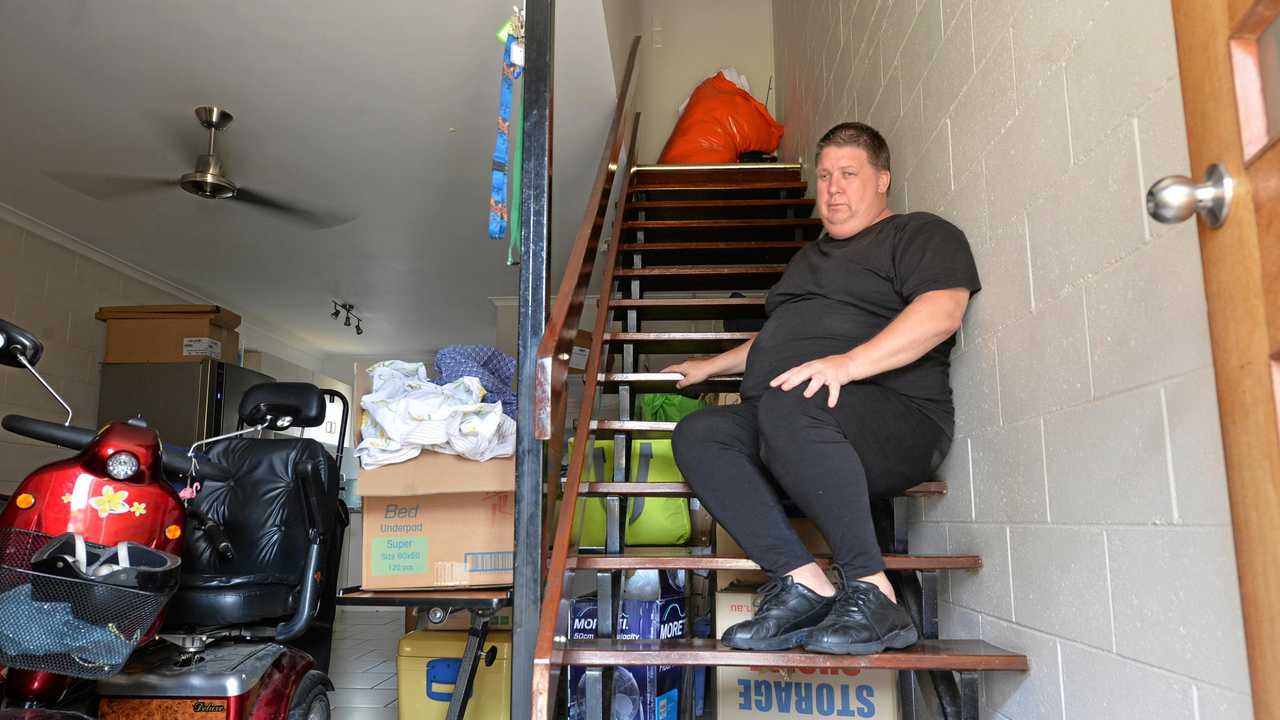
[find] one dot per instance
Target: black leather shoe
(864, 621)
(786, 613)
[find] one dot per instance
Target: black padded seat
(264, 516)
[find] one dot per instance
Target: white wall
(1087, 468)
(697, 37)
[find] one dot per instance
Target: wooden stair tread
(735, 203)
(699, 270)
(959, 655)
(719, 185)
(684, 558)
(712, 245)
(689, 308)
(629, 489)
(701, 224)
(665, 382)
(643, 175)
(657, 343)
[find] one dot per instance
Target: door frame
(1238, 291)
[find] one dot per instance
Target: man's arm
(699, 369)
(930, 319)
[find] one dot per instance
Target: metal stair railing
(562, 335)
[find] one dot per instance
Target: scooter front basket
(63, 625)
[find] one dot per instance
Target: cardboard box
(438, 521)
(650, 692)
(726, 547)
(170, 333)
(751, 693)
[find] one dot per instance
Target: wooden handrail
(544, 688)
(562, 326)
(553, 369)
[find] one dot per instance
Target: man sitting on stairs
(867, 312)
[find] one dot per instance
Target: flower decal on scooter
(110, 502)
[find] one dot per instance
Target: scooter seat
(262, 512)
(224, 604)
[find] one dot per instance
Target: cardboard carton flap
(433, 473)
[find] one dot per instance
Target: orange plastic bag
(720, 122)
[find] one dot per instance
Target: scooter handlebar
(66, 436)
(75, 438)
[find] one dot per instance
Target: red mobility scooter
(239, 629)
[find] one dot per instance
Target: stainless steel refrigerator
(184, 402)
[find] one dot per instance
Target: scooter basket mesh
(64, 625)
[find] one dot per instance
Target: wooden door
(1229, 56)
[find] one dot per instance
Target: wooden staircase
(677, 231)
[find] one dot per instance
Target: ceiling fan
(208, 180)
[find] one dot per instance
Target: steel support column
(534, 261)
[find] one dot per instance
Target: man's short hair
(861, 135)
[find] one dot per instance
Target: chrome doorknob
(1176, 198)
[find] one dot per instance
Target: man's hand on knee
(832, 371)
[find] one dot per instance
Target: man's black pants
(831, 462)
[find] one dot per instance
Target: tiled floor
(363, 668)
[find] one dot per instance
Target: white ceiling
(384, 111)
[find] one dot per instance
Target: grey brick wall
(54, 293)
(1087, 467)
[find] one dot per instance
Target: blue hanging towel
(498, 207)
(495, 370)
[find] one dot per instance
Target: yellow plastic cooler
(427, 667)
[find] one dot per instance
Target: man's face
(851, 192)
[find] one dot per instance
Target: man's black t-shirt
(839, 293)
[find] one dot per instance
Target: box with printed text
(752, 693)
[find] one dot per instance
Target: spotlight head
(334, 314)
(347, 321)
(359, 330)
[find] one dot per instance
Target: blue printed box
(642, 692)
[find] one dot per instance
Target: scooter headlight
(122, 465)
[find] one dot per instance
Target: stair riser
(722, 234)
(716, 256)
(675, 282)
(702, 193)
(721, 211)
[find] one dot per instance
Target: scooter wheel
(310, 699)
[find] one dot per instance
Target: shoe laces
(852, 601)
(767, 595)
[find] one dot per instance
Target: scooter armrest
(308, 603)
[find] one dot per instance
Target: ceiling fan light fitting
(208, 185)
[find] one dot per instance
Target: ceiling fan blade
(110, 187)
(313, 219)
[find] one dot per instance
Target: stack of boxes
(437, 522)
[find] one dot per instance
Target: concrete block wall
(53, 292)
(1087, 467)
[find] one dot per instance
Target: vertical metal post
(534, 258)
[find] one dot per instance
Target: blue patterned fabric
(494, 369)
(498, 208)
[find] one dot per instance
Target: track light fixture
(341, 308)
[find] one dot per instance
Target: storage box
(170, 333)
(640, 692)
(727, 547)
(437, 520)
(750, 693)
(427, 666)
